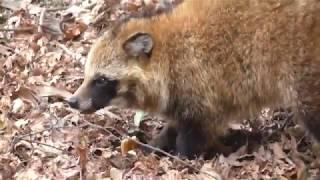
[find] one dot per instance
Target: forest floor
(43, 47)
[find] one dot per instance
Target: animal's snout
(74, 102)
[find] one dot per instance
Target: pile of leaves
(43, 47)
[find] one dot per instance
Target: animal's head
(115, 72)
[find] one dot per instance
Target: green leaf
(138, 118)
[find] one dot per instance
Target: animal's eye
(100, 81)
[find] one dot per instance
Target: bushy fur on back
(214, 61)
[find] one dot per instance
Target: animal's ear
(138, 44)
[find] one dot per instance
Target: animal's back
(235, 57)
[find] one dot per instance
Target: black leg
(166, 140)
(191, 140)
(311, 120)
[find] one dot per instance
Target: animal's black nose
(73, 102)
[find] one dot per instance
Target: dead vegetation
(43, 46)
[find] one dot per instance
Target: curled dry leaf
(128, 144)
(23, 150)
(26, 94)
(74, 30)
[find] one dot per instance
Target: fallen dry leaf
(27, 94)
(128, 144)
(74, 30)
(47, 91)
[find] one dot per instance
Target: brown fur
(214, 61)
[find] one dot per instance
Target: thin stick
(17, 29)
(44, 144)
(38, 132)
(106, 129)
(56, 9)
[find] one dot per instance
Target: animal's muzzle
(73, 102)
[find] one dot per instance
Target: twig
(39, 132)
(44, 144)
(287, 120)
(107, 112)
(17, 29)
(17, 138)
(106, 129)
(57, 9)
(155, 149)
(300, 139)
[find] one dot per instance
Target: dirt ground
(43, 47)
